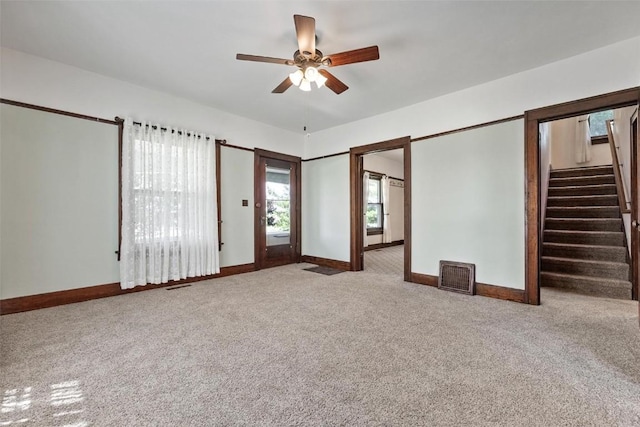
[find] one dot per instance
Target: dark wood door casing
(356, 212)
(635, 209)
(279, 255)
(533, 118)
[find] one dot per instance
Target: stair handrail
(620, 189)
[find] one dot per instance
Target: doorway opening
(277, 187)
(537, 167)
(370, 205)
(383, 236)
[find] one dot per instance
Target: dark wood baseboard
(383, 245)
(52, 299)
(482, 289)
(424, 279)
(500, 292)
(326, 262)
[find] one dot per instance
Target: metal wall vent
(457, 277)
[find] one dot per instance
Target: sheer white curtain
(583, 140)
(169, 213)
(386, 207)
(365, 203)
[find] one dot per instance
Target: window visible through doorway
(374, 205)
(598, 126)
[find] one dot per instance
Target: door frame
(356, 170)
(533, 118)
(296, 204)
(635, 206)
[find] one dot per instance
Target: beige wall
(562, 141)
(545, 166)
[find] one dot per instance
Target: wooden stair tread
(585, 196)
(582, 180)
(581, 246)
(582, 219)
(583, 168)
(586, 261)
(599, 233)
(599, 280)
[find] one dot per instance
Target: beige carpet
(388, 261)
(290, 347)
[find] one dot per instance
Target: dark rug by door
(327, 271)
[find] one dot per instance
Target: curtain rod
(223, 141)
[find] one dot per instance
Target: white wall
(384, 165)
(325, 208)
(236, 182)
(570, 79)
(59, 193)
(562, 142)
(472, 221)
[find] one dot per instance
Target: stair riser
(593, 253)
(607, 170)
(583, 201)
(583, 180)
(583, 190)
(587, 287)
(565, 212)
(609, 239)
(581, 268)
(584, 224)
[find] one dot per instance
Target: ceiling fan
(310, 61)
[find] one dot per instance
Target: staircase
(584, 242)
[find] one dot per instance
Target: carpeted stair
(584, 243)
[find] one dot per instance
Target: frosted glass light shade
(321, 80)
(311, 73)
(305, 85)
(296, 77)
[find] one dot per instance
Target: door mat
(327, 271)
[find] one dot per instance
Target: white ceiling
(427, 48)
(395, 155)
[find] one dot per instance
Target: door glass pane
(278, 213)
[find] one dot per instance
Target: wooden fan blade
(370, 53)
(256, 58)
(286, 84)
(306, 32)
(333, 83)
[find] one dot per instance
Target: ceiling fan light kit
(309, 60)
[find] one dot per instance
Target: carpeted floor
(389, 261)
(289, 347)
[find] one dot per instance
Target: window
(374, 206)
(163, 188)
(598, 126)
